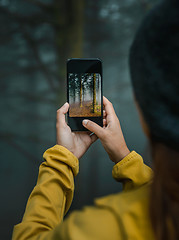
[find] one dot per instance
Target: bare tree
(57, 26)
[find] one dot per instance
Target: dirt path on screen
(85, 111)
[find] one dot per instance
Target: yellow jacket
(119, 216)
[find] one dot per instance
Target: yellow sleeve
(51, 197)
(132, 171)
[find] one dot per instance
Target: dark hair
(154, 59)
(164, 196)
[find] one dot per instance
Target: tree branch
(7, 137)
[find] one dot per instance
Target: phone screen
(84, 92)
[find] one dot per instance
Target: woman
(148, 208)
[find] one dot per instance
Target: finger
(61, 115)
(108, 106)
(93, 127)
(104, 122)
(104, 114)
(110, 112)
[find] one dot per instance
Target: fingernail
(85, 122)
(65, 104)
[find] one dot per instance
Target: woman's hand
(111, 136)
(78, 142)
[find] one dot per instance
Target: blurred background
(37, 36)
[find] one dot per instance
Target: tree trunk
(99, 91)
(69, 18)
(74, 91)
(81, 92)
(94, 93)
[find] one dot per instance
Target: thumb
(61, 115)
(93, 127)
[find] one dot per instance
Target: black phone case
(84, 65)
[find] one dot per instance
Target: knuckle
(110, 104)
(59, 110)
(58, 114)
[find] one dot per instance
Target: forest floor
(86, 110)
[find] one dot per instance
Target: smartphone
(84, 92)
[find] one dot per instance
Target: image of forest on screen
(84, 94)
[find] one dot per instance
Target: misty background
(37, 36)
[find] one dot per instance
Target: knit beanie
(154, 68)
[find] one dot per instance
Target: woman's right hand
(111, 135)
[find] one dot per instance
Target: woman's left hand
(76, 142)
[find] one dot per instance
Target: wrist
(122, 154)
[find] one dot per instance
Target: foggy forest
(85, 95)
